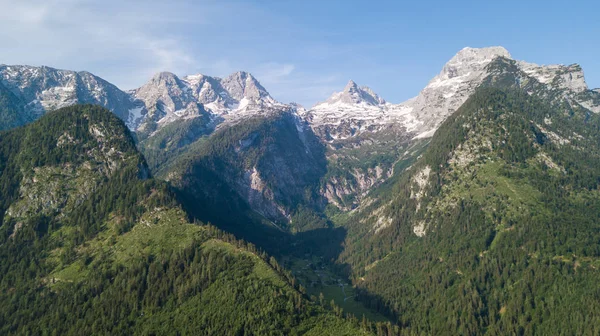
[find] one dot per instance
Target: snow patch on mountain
(168, 98)
(42, 89)
(135, 116)
(356, 110)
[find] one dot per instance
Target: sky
(301, 51)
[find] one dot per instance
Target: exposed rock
(42, 89)
(419, 229)
(167, 98)
(557, 139)
(260, 196)
(543, 157)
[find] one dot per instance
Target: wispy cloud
(127, 42)
(120, 44)
(274, 72)
(289, 84)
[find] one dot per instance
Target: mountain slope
(11, 114)
(272, 165)
(494, 230)
(359, 130)
(89, 244)
(364, 137)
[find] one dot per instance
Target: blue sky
(300, 50)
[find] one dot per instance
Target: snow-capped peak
(352, 95)
(459, 78)
(466, 64)
(43, 89)
(167, 97)
(353, 111)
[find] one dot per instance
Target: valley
(202, 203)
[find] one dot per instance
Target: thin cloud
(128, 42)
(274, 72)
(75, 35)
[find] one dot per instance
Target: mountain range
(469, 209)
(166, 98)
(351, 119)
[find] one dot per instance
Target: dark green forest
(512, 242)
(125, 259)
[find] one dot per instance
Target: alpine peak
(353, 95)
(482, 53)
(242, 84)
(351, 85)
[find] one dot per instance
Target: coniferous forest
(201, 205)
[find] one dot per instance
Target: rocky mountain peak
(469, 54)
(242, 85)
(376, 98)
(468, 61)
(452, 86)
(168, 98)
(163, 85)
(350, 86)
(164, 79)
(353, 95)
(41, 89)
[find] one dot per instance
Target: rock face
(42, 89)
(74, 151)
(451, 87)
(563, 77)
(167, 98)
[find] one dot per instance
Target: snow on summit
(354, 110)
(351, 95)
(167, 97)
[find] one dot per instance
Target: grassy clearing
(316, 277)
(484, 183)
(157, 231)
(261, 269)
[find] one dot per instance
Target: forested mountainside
(270, 166)
(469, 209)
(494, 230)
(90, 244)
(363, 135)
(11, 115)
